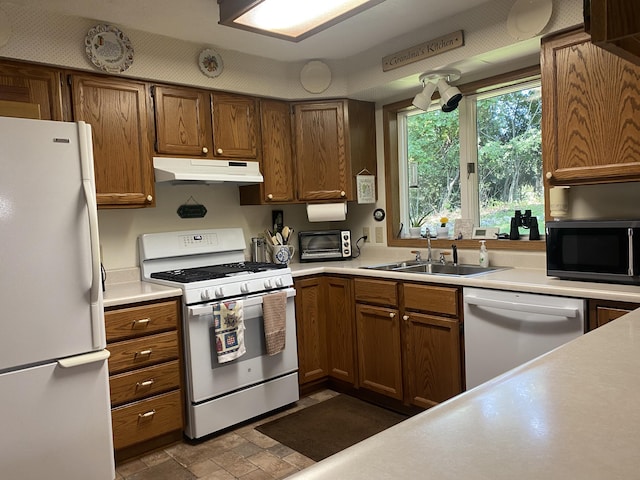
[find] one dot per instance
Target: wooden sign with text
(424, 50)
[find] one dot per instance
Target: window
(481, 162)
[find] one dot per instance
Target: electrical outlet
(366, 233)
(379, 235)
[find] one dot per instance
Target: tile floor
(241, 453)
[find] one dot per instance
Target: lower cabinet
(409, 340)
(604, 311)
(145, 376)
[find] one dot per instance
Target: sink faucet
(429, 254)
(418, 255)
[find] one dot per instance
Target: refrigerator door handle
(86, 156)
(85, 359)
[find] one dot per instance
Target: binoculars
(524, 221)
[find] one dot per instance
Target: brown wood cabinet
(145, 375)
(615, 26)
(119, 115)
(378, 334)
(433, 356)
(604, 311)
(183, 121)
(334, 141)
(341, 329)
(38, 89)
(235, 126)
(311, 330)
(591, 121)
(277, 157)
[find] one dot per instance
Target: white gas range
(209, 267)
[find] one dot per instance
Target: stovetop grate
(212, 272)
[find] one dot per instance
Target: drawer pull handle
(147, 414)
(142, 322)
(144, 352)
(146, 383)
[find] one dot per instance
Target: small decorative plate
(108, 48)
(315, 76)
(210, 62)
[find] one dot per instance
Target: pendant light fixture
(450, 96)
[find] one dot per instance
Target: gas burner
(212, 272)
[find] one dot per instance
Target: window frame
(393, 176)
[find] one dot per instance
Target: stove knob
(244, 288)
(279, 282)
(205, 294)
(267, 283)
(220, 292)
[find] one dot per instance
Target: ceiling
(197, 21)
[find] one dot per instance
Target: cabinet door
(30, 91)
(235, 130)
(320, 146)
(433, 367)
(277, 159)
(591, 104)
(340, 328)
(183, 121)
(602, 312)
(311, 330)
(379, 357)
(117, 112)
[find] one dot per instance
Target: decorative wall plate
(528, 18)
(315, 76)
(108, 48)
(210, 62)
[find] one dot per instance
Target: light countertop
(572, 413)
(124, 287)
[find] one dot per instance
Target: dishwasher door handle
(568, 312)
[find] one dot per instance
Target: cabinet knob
(392, 315)
(405, 317)
(549, 175)
(220, 151)
(149, 198)
(343, 193)
(270, 196)
(205, 150)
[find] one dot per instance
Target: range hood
(180, 170)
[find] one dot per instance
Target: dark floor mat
(326, 428)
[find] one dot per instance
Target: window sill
(521, 245)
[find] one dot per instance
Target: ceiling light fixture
(292, 20)
(450, 96)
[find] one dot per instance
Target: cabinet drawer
(429, 298)
(143, 352)
(146, 419)
(145, 382)
(378, 292)
(141, 320)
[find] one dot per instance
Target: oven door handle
(251, 301)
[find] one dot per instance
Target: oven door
(206, 378)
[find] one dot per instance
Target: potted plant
(416, 225)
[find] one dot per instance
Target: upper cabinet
(31, 91)
(277, 157)
(118, 113)
(334, 141)
(591, 121)
(235, 126)
(615, 26)
(183, 121)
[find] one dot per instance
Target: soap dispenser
(484, 255)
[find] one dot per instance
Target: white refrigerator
(54, 385)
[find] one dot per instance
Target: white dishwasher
(505, 329)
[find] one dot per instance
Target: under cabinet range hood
(181, 170)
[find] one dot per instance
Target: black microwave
(324, 245)
(598, 251)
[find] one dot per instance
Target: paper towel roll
(326, 212)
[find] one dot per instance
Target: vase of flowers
(443, 229)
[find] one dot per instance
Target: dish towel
(274, 313)
(228, 324)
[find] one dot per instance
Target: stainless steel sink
(435, 268)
